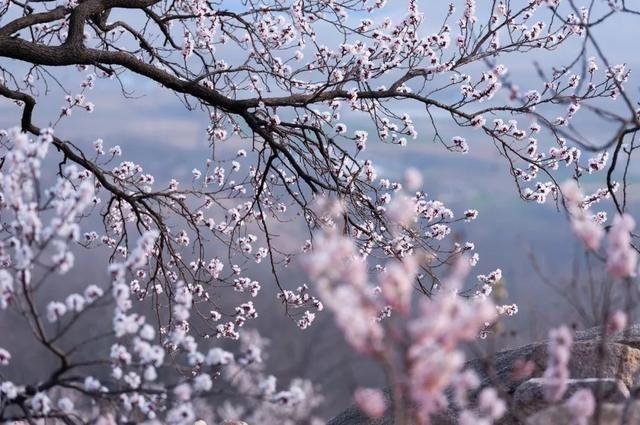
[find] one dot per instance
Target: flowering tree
(307, 85)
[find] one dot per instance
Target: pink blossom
(106, 420)
(397, 283)
(617, 321)
(622, 259)
(402, 210)
(5, 357)
(412, 179)
(490, 404)
(582, 405)
(586, 229)
(557, 371)
(371, 402)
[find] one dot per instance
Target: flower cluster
(433, 358)
(557, 372)
(622, 258)
(584, 226)
(42, 230)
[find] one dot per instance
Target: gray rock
(619, 361)
(610, 414)
(352, 416)
(529, 396)
(630, 336)
(615, 362)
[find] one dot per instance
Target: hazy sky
(155, 128)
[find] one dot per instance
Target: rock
(617, 370)
(352, 416)
(234, 423)
(610, 414)
(498, 368)
(630, 336)
(620, 362)
(529, 396)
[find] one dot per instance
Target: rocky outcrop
(610, 369)
(353, 416)
(617, 360)
(529, 396)
(610, 414)
(629, 337)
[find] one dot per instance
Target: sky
(154, 128)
